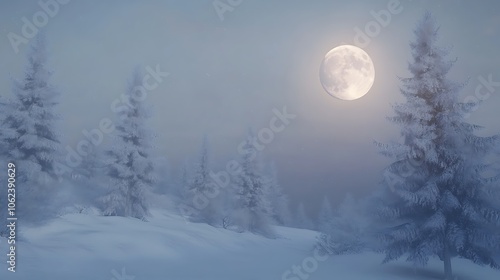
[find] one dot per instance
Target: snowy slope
(78, 246)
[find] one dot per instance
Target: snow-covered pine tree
(302, 220)
(325, 215)
(129, 167)
(181, 193)
(200, 190)
(28, 137)
(437, 203)
(277, 198)
(253, 210)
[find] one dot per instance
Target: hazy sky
(229, 73)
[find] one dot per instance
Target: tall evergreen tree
(437, 201)
(277, 198)
(129, 167)
(200, 190)
(325, 214)
(253, 211)
(28, 137)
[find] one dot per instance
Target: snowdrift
(84, 247)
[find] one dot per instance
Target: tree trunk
(448, 275)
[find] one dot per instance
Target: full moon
(347, 72)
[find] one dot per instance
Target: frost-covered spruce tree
(253, 210)
(200, 190)
(28, 136)
(129, 166)
(325, 214)
(277, 198)
(437, 201)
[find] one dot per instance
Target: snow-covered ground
(79, 246)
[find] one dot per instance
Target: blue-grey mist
(228, 74)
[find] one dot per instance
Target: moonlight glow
(347, 72)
